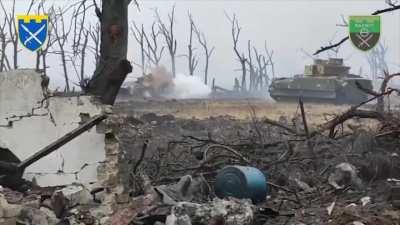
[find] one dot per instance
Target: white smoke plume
(188, 87)
(160, 83)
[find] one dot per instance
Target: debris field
(161, 169)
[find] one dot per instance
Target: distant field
(240, 109)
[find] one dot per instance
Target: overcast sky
(287, 26)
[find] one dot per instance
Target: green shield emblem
(364, 31)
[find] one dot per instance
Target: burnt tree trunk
(113, 66)
(3, 50)
(243, 63)
(65, 69)
(206, 67)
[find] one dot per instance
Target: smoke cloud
(161, 83)
(188, 87)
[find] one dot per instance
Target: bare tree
(377, 60)
(269, 61)
(113, 66)
(83, 57)
(192, 58)
(31, 4)
(61, 32)
(262, 73)
(3, 46)
(82, 45)
(154, 54)
(95, 33)
(252, 70)
(12, 30)
(379, 95)
(241, 57)
(139, 35)
(79, 53)
(207, 51)
(167, 30)
(41, 54)
(78, 23)
(259, 68)
(81, 34)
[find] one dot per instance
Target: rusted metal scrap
(12, 169)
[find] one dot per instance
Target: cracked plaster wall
(34, 125)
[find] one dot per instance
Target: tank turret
(330, 67)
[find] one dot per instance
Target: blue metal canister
(241, 182)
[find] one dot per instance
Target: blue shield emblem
(32, 31)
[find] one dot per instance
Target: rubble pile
(159, 169)
(338, 172)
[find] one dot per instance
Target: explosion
(160, 83)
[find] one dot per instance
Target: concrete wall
(35, 125)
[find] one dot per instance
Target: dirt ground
(300, 170)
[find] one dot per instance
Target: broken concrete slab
(219, 211)
(20, 91)
(28, 113)
(30, 216)
(345, 174)
(77, 195)
(8, 211)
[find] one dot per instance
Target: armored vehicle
(324, 81)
